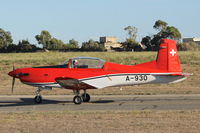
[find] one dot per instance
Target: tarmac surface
(25, 103)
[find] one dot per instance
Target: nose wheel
(38, 97)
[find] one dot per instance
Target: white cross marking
(172, 52)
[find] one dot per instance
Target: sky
(89, 19)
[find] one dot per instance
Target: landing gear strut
(85, 97)
(38, 97)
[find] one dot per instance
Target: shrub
(190, 46)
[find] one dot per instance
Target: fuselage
(110, 74)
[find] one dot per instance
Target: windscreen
(87, 63)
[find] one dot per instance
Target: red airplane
(84, 73)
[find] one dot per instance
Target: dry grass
(190, 63)
(98, 122)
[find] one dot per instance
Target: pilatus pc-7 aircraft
(84, 73)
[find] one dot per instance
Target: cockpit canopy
(85, 62)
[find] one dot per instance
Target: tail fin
(167, 58)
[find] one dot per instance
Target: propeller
(13, 81)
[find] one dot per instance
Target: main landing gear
(85, 97)
(78, 99)
(38, 97)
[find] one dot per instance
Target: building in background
(110, 43)
(194, 40)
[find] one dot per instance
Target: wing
(74, 84)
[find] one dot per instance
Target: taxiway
(20, 103)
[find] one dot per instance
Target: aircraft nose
(12, 73)
(17, 73)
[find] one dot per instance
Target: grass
(190, 62)
(98, 122)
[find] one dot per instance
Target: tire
(77, 100)
(86, 97)
(38, 99)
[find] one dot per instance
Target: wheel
(38, 99)
(77, 100)
(86, 97)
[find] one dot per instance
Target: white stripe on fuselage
(132, 79)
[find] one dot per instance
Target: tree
(131, 44)
(44, 38)
(155, 42)
(132, 32)
(56, 44)
(12, 48)
(25, 46)
(173, 33)
(147, 41)
(160, 25)
(5, 39)
(49, 42)
(188, 46)
(164, 31)
(73, 44)
(92, 46)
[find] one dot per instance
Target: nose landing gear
(38, 97)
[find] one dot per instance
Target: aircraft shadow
(29, 102)
(103, 101)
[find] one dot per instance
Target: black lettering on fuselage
(137, 78)
(127, 78)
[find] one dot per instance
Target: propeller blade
(13, 83)
(13, 67)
